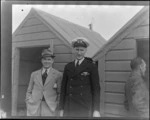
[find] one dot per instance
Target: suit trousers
(43, 110)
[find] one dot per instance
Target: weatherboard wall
(117, 70)
(29, 39)
(114, 70)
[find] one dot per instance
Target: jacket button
(70, 94)
(81, 94)
(81, 86)
(70, 87)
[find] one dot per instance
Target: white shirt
(43, 70)
(80, 61)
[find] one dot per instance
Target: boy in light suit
(44, 88)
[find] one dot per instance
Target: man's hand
(61, 113)
(28, 96)
(96, 114)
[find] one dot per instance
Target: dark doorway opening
(143, 52)
(29, 62)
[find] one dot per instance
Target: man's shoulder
(36, 72)
(57, 71)
(136, 79)
(90, 62)
(69, 64)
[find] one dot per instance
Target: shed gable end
(142, 30)
(32, 30)
(117, 71)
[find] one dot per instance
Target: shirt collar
(80, 61)
(43, 70)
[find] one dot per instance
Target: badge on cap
(80, 42)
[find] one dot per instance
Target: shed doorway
(143, 52)
(29, 61)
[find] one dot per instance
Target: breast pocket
(85, 76)
(37, 81)
(85, 73)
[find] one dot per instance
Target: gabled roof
(123, 32)
(69, 31)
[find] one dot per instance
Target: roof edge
(71, 23)
(21, 24)
(49, 26)
(121, 32)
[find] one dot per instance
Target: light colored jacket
(50, 90)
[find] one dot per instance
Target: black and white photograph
(75, 60)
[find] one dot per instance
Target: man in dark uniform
(80, 90)
(136, 91)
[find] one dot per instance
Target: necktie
(44, 76)
(77, 64)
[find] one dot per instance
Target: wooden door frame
(15, 74)
(101, 71)
(15, 79)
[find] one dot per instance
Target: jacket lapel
(80, 68)
(39, 77)
(72, 67)
(50, 76)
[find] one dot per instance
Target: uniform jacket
(36, 90)
(136, 96)
(80, 91)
